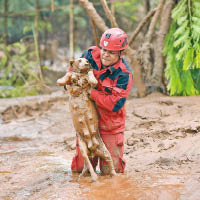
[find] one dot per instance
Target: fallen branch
(94, 30)
(146, 52)
(154, 21)
(137, 78)
(108, 13)
(141, 25)
(159, 58)
(94, 15)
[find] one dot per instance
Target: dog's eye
(79, 60)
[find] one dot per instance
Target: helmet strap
(121, 52)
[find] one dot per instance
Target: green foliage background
(182, 49)
(18, 69)
(56, 24)
(19, 65)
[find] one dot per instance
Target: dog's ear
(71, 62)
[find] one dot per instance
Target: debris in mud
(131, 141)
(164, 161)
(70, 143)
(14, 138)
(168, 103)
(166, 144)
(12, 109)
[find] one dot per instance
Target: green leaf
(8, 69)
(196, 31)
(196, 20)
(197, 59)
(188, 60)
(196, 28)
(189, 89)
(181, 39)
(181, 29)
(16, 45)
(27, 29)
(196, 4)
(180, 20)
(182, 51)
(3, 61)
(179, 10)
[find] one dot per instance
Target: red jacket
(114, 84)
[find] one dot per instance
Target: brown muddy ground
(162, 151)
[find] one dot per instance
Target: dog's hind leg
(103, 152)
(84, 151)
(84, 171)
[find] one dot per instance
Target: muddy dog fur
(84, 115)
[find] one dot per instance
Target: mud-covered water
(162, 152)
(30, 171)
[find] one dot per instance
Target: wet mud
(162, 154)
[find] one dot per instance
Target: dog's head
(80, 65)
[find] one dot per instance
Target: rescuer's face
(109, 58)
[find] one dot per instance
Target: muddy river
(162, 152)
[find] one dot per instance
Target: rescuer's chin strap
(120, 54)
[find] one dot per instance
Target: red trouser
(114, 144)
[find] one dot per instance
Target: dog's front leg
(65, 80)
(83, 149)
(91, 78)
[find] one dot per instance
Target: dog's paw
(113, 173)
(61, 81)
(94, 177)
(92, 80)
(65, 80)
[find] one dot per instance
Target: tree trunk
(71, 34)
(52, 6)
(137, 74)
(108, 13)
(112, 8)
(147, 49)
(5, 22)
(93, 14)
(157, 76)
(94, 30)
(37, 46)
(141, 25)
(147, 6)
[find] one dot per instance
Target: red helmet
(114, 39)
